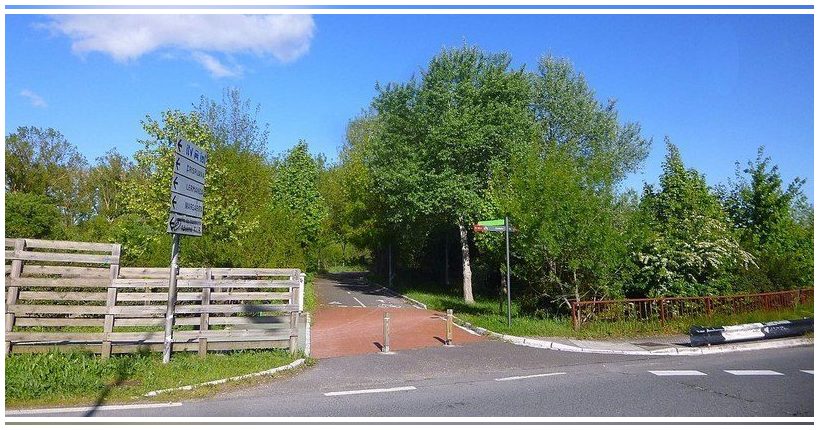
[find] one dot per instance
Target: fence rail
(664, 309)
(74, 295)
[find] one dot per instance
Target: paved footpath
(350, 320)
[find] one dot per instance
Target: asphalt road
(499, 379)
(351, 290)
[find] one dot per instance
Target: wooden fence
(75, 295)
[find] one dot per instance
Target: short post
(448, 327)
(385, 348)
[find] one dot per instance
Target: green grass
(486, 313)
(346, 268)
(310, 299)
(70, 378)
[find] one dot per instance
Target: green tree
(775, 224)
(691, 249)
(43, 161)
(105, 184)
(33, 216)
(439, 138)
(295, 186)
(573, 227)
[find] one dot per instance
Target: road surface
(493, 378)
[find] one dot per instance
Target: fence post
(14, 291)
(294, 332)
(110, 302)
(662, 311)
(301, 292)
(204, 317)
(708, 307)
(574, 315)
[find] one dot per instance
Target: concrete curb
(545, 344)
(292, 365)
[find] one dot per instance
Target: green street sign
(492, 223)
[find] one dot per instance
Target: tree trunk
(467, 267)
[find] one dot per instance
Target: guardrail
(79, 297)
(663, 309)
(734, 333)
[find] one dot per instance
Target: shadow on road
(356, 282)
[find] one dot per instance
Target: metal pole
(508, 274)
(386, 347)
(169, 313)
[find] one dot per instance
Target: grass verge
(81, 378)
(486, 313)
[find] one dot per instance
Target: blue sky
(718, 85)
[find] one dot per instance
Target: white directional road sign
(187, 187)
(183, 224)
(188, 169)
(186, 206)
(191, 152)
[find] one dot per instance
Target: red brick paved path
(342, 331)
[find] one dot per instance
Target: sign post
(187, 196)
(500, 225)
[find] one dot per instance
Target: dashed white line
(677, 372)
(807, 371)
(359, 302)
(754, 372)
(91, 408)
(514, 378)
(370, 391)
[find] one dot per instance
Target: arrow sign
(187, 187)
(186, 206)
(191, 152)
(189, 169)
(182, 224)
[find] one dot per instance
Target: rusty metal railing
(663, 309)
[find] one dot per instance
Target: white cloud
(128, 37)
(215, 67)
(35, 99)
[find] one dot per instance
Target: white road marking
(359, 302)
(807, 371)
(91, 408)
(677, 372)
(754, 372)
(335, 303)
(514, 378)
(370, 391)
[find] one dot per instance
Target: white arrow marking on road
(335, 303)
(375, 390)
(807, 371)
(754, 372)
(677, 373)
(91, 408)
(514, 378)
